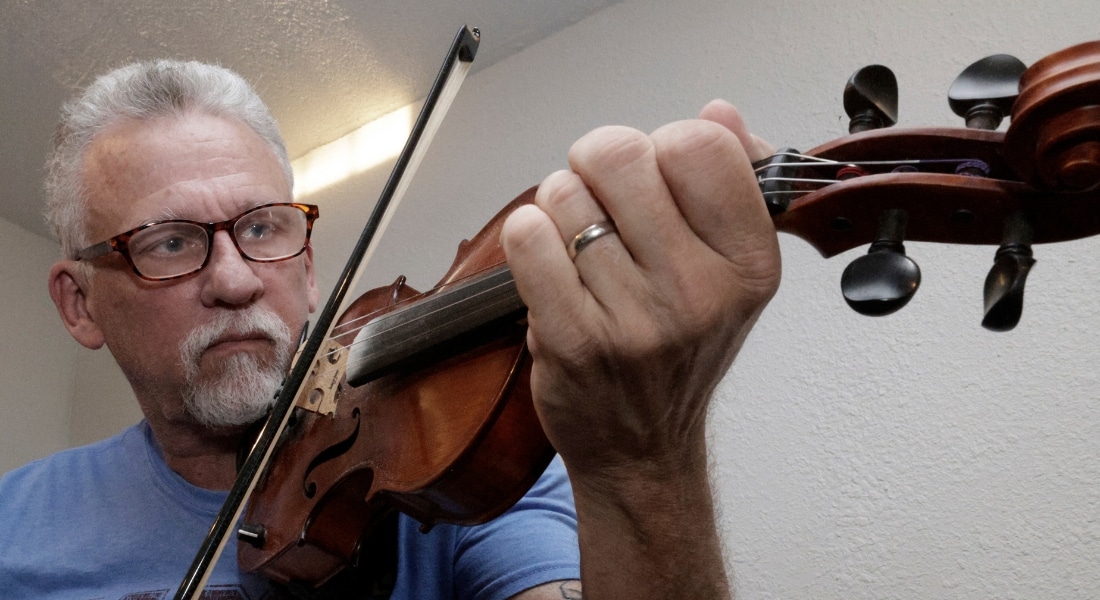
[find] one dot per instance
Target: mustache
(250, 322)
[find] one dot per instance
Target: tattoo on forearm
(571, 590)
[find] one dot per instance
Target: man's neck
(204, 458)
(214, 472)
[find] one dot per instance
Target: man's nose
(230, 279)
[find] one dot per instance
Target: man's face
(224, 320)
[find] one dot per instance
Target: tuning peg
(1004, 286)
(871, 99)
(984, 92)
(885, 279)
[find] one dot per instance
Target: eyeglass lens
(175, 248)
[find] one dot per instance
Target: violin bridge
(318, 393)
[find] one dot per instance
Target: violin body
(451, 439)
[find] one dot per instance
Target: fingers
(674, 196)
(688, 179)
(619, 167)
(572, 207)
(712, 182)
(539, 263)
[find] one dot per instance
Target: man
(170, 191)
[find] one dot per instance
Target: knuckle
(520, 228)
(560, 190)
(610, 149)
(697, 145)
(720, 296)
(758, 272)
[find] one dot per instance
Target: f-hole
(309, 488)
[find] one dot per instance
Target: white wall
(103, 403)
(914, 456)
(36, 354)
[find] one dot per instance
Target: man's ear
(69, 290)
(314, 294)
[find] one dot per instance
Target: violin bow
(455, 67)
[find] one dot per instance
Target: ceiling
(325, 67)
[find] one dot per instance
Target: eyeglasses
(169, 249)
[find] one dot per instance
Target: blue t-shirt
(111, 521)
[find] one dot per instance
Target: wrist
(651, 525)
(654, 493)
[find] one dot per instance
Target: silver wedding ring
(590, 234)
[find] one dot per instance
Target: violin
(421, 403)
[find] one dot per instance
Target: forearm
(650, 533)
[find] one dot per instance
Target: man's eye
(164, 246)
(171, 245)
(258, 231)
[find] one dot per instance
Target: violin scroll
(1054, 140)
(1038, 182)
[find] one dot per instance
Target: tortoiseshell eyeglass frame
(120, 242)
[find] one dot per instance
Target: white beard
(242, 389)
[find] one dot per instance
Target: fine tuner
(1035, 183)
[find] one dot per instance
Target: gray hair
(141, 91)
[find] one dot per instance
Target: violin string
(347, 328)
(797, 180)
(800, 161)
(816, 183)
(807, 161)
(416, 320)
(804, 161)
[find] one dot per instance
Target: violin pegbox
(885, 279)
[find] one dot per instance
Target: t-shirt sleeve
(533, 543)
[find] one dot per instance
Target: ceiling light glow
(370, 145)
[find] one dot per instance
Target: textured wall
(914, 456)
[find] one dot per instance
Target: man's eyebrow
(167, 213)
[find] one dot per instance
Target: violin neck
(437, 317)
